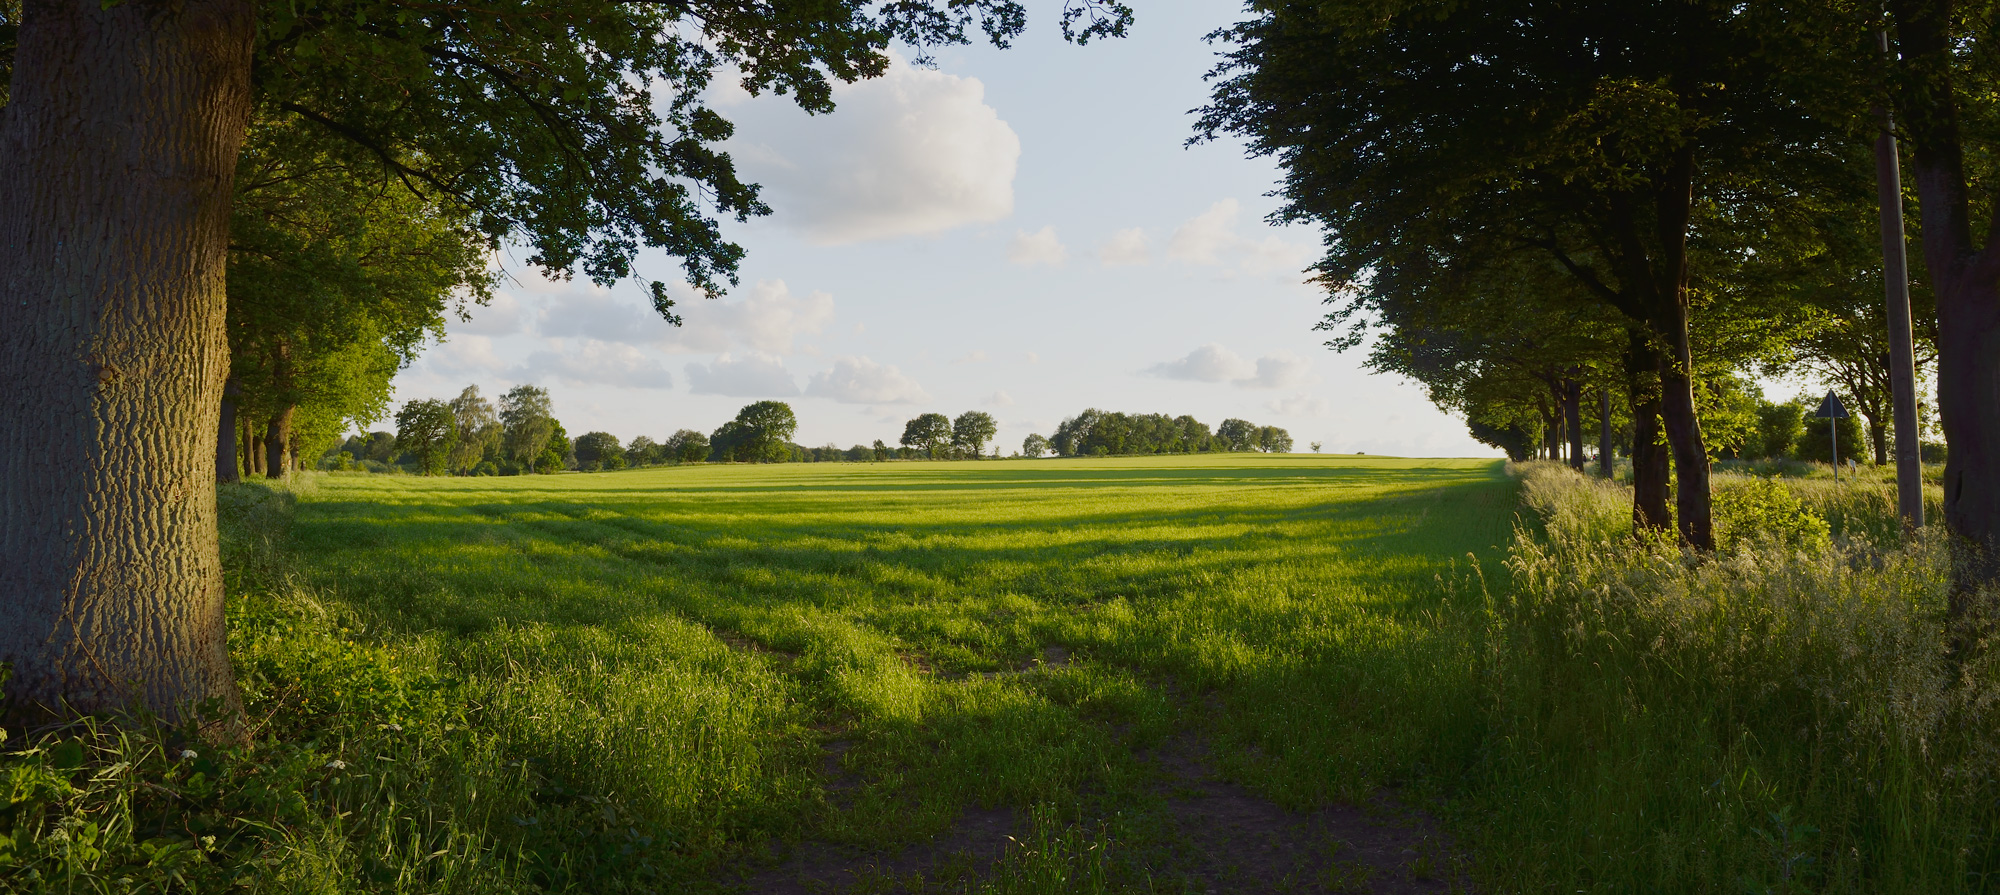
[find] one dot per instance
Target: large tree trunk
(117, 159)
(225, 436)
(1878, 437)
(1966, 282)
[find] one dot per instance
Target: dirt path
(1219, 838)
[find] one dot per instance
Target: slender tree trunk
(1878, 438)
(1649, 458)
(256, 454)
(225, 436)
(1670, 322)
(247, 446)
(1607, 462)
(1573, 421)
(117, 158)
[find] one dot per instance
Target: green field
(679, 647)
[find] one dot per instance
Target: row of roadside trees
(1534, 208)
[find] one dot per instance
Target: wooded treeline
(1533, 207)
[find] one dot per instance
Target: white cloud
(1034, 358)
(1209, 363)
(769, 318)
(594, 313)
(464, 354)
(912, 152)
(974, 356)
(597, 363)
(998, 399)
(858, 380)
(753, 376)
(1214, 363)
(1279, 369)
(1039, 247)
(1298, 405)
(500, 317)
(1125, 247)
(1210, 239)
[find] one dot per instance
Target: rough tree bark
(1669, 296)
(277, 439)
(1965, 278)
(117, 156)
(225, 435)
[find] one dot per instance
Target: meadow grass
(634, 681)
(629, 680)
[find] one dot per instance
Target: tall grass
(1774, 718)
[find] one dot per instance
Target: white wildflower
(337, 765)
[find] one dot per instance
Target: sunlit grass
(683, 640)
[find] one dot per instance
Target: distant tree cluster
(1099, 433)
(469, 435)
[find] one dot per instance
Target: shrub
(1761, 512)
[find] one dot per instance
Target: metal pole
(1833, 426)
(1896, 290)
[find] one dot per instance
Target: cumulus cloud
(998, 399)
(1279, 369)
(913, 152)
(755, 375)
(1209, 363)
(1214, 363)
(858, 380)
(767, 317)
(465, 354)
(1039, 247)
(1125, 247)
(503, 316)
(597, 363)
(1210, 239)
(1298, 405)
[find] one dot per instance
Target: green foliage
(479, 430)
(687, 446)
(760, 433)
(1816, 441)
(1761, 512)
(528, 425)
(599, 450)
(929, 432)
(1780, 429)
(427, 429)
(1098, 433)
(972, 430)
(1034, 446)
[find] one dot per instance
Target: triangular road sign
(1831, 408)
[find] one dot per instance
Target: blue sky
(1021, 232)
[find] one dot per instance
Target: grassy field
(661, 656)
(685, 679)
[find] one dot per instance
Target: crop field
(783, 677)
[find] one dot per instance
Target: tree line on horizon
(519, 435)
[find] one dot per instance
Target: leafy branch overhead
(581, 129)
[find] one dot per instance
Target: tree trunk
(1607, 461)
(1966, 282)
(225, 436)
(247, 443)
(1649, 459)
(278, 437)
(256, 454)
(1573, 421)
(1878, 437)
(1669, 320)
(117, 160)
